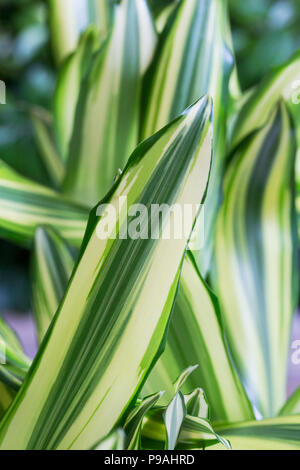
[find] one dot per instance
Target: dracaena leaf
(196, 404)
(14, 364)
(173, 419)
(64, 28)
(6, 397)
(114, 441)
(112, 320)
(281, 433)
(44, 134)
(106, 123)
(193, 59)
(67, 90)
(53, 263)
(24, 205)
(196, 331)
(134, 421)
(256, 261)
(260, 101)
(101, 13)
(292, 406)
(195, 433)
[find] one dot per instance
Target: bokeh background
(265, 34)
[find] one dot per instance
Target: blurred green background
(265, 34)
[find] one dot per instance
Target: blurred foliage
(265, 34)
(26, 66)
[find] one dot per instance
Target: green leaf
(164, 16)
(258, 106)
(24, 205)
(196, 433)
(173, 419)
(257, 278)
(134, 421)
(193, 59)
(67, 90)
(43, 127)
(14, 364)
(184, 377)
(52, 266)
(6, 397)
(106, 123)
(63, 27)
(196, 404)
(196, 336)
(114, 441)
(269, 434)
(292, 406)
(112, 321)
(101, 13)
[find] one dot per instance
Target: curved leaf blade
(24, 205)
(193, 59)
(106, 123)
(196, 336)
(52, 266)
(256, 261)
(269, 434)
(110, 325)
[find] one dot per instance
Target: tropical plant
(149, 343)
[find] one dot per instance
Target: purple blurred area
(24, 326)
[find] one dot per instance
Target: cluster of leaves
(119, 319)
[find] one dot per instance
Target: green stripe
(52, 265)
(196, 337)
(193, 59)
(292, 406)
(106, 124)
(108, 329)
(68, 86)
(26, 205)
(63, 27)
(14, 364)
(257, 108)
(273, 434)
(44, 133)
(256, 262)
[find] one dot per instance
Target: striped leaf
(196, 404)
(256, 260)
(70, 17)
(164, 15)
(44, 134)
(196, 336)
(269, 434)
(67, 90)
(64, 28)
(292, 406)
(112, 321)
(14, 364)
(173, 418)
(192, 60)
(24, 205)
(53, 263)
(258, 106)
(101, 13)
(196, 433)
(134, 421)
(106, 122)
(255, 110)
(114, 441)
